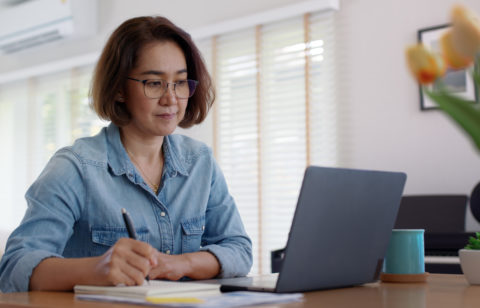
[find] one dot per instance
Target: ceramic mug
(405, 253)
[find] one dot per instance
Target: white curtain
(37, 117)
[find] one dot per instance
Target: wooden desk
(440, 291)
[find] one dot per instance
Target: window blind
(276, 114)
(324, 113)
(237, 124)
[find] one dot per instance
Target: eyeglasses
(155, 88)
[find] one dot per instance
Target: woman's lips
(166, 116)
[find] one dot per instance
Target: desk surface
(439, 291)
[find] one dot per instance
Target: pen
(130, 229)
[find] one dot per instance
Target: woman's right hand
(127, 262)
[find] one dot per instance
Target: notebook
(152, 289)
(339, 234)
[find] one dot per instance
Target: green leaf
(460, 110)
(474, 243)
(476, 77)
(476, 70)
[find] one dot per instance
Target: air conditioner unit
(36, 22)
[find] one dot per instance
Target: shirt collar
(120, 163)
(117, 156)
(173, 159)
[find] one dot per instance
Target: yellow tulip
(450, 53)
(424, 65)
(465, 31)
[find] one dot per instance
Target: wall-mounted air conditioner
(37, 22)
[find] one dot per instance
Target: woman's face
(156, 116)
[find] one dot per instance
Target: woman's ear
(120, 97)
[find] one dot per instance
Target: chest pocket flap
(192, 233)
(194, 226)
(108, 236)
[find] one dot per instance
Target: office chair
(443, 218)
(434, 213)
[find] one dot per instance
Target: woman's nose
(169, 97)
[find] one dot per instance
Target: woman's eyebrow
(160, 73)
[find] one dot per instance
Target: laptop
(339, 234)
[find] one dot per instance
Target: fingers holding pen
(140, 258)
(143, 250)
(128, 261)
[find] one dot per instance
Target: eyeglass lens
(183, 88)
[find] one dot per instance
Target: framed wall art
(458, 82)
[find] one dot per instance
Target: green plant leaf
(460, 110)
(476, 77)
(474, 243)
(476, 70)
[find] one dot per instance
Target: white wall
(383, 127)
(387, 128)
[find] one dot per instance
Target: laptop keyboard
(268, 280)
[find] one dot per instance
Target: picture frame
(460, 82)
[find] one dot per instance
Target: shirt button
(167, 252)
(162, 214)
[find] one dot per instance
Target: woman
(149, 79)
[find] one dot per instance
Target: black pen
(130, 229)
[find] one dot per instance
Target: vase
(470, 263)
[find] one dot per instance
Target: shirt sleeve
(53, 203)
(225, 235)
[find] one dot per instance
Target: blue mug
(405, 253)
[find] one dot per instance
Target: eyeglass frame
(144, 81)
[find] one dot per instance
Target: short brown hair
(119, 56)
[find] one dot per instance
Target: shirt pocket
(193, 229)
(104, 237)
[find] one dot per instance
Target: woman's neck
(147, 156)
(148, 150)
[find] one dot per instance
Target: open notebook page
(154, 288)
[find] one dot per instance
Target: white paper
(224, 300)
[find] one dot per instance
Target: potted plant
(470, 260)
(460, 47)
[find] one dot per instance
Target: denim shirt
(74, 208)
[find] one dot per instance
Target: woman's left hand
(170, 267)
(195, 265)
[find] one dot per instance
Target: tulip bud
(453, 58)
(465, 31)
(424, 65)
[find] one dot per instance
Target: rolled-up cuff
(21, 273)
(232, 263)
